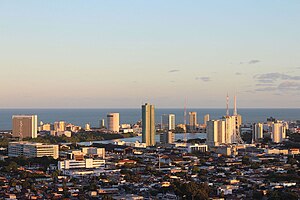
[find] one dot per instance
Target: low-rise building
(32, 149)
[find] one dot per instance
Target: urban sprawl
(234, 160)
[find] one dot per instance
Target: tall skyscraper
(24, 126)
(171, 121)
(148, 124)
(193, 120)
(113, 122)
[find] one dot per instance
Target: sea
(130, 116)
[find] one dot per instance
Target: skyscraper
(215, 132)
(258, 131)
(192, 120)
(24, 126)
(113, 122)
(148, 124)
(278, 132)
(168, 122)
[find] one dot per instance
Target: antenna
(235, 108)
(227, 105)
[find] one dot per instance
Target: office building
(192, 148)
(113, 122)
(168, 122)
(148, 125)
(278, 132)
(167, 138)
(24, 126)
(88, 163)
(94, 152)
(258, 129)
(205, 119)
(32, 149)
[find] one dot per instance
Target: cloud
(174, 70)
(288, 85)
(253, 62)
(266, 89)
(204, 78)
(272, 77)
(264, 84)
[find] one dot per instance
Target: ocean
(92, 116)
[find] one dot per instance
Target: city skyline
(107, 55)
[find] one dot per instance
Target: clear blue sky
(123, 53)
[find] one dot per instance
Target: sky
(123, 53)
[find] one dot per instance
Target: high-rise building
(62, 126)
(168, 122)
(24, 126)
(258, 129)
(148, 124)
(230, 124)
(113, 122)
(205, 119)
(167, 138)
(102, 123)
(278, 132)
(215, 132)
(193, 120)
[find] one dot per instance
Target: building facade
(148, 125)
(113, 122)
(32, 150)
(24, 126)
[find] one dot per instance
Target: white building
(278, 132)
(258, 131)
(168, 122)
(113, 122)
(197, 148)
(216, 132)
(88, 163)
(32, 150)
(94, 151)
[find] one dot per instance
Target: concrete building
(278, 132)
(148, 124)
(167, 138)
(197, 148)
(168, 122)
(193, 120)
(102, 123)
(205, 119)
(113, 122)
(94, 152)
(88, 163)
(32, 150)
(24, 126)
(87, 127)
(230, 124)
(258, 131)
(216, 130)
